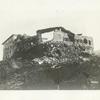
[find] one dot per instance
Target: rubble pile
(56, 53)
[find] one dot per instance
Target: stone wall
(9, 47)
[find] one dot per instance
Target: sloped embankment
(31, 75)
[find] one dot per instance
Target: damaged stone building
(53, 34)
(9, 45)
(85, 42)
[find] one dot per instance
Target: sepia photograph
(49, 45)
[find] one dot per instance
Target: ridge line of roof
(8, 38)
(53, 28)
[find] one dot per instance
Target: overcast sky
(27, 16)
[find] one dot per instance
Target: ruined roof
(70, 34)
(18, 35)
(8, 39)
